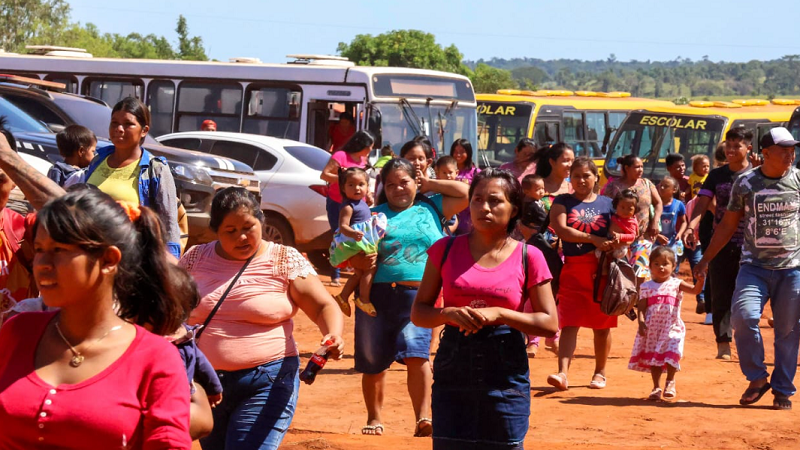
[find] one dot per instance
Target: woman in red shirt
(85, 376)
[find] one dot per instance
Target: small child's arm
(693, 289)
(641, 306)
(206, 376)
(621, 239)
(681, 227)
(344, 224)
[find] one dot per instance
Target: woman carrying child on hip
(659, 342)
(359, 231)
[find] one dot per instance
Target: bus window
(545, 133)
(500, 127)
(198, 101)
(160, 99)
(111, 91)
(69, 81)
(596, 132)
(273, 111)
(573, 131)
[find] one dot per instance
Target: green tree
(31, 22)
(403, 48)
(189, 48)
(487, 79)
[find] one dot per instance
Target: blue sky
(723, 30)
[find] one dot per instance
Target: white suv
(292, 194)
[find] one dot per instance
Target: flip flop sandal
(424, 427)
(669, 391)
(782, 403)
(368, 308)
(344, 305)
(372, 430)
(558, 381)
(655, 395)
(754, 390)
(597, 384)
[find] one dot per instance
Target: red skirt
(576, 308)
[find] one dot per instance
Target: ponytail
(149, 289)
(543, 157)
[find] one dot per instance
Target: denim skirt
(481, 390)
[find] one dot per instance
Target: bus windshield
(500, 127)
(397, 123)
(652, 136)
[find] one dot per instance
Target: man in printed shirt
(767, 199)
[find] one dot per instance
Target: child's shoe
(344, 305)
(367, 307)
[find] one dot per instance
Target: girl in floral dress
(659, 342)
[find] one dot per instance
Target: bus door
(324, 105)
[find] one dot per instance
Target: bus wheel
(277, 229)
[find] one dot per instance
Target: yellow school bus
(693, 129)
(585, 120)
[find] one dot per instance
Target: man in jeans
(722, 269)
(768, 200)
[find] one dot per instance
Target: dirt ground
(707, 415)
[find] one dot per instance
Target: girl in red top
(481, 355)
(85, 376)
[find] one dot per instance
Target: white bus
(297, 100)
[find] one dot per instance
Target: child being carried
(624, 228)
(359, 231)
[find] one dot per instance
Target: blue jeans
(694, 257)
(721, 271)
(754, 286)
(481, 390)
(257, 406)
(390, 336)
(332, 208)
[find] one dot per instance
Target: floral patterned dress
(662, 343)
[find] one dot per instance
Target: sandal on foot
(782, 403)
(344, 305)
(669, 391)
(558, 381)
(335, 283)
(373, 430)
(655, 395)
(424, 427)
(598, 384)
(532, 349)
(760, 391)
(368, 308)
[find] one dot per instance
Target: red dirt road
(330, 412)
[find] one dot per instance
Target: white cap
(778, 136)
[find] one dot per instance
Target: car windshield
(92, 115)
(652, 136)
(17, 120)
(500, 127)
(313, 157)
(397, 123)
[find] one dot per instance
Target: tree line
(48, 22)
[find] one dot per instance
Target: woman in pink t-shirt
(84, 375)
(249, 339)
(353, 154)
(481, 357)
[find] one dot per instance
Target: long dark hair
(545, 155)
(391, 166)
(467, 146)
(511, 187)
(358, 142)
(147, 286)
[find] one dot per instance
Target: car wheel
(277, 229)
(319, 258)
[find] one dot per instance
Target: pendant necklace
(77, 357)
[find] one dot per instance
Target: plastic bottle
(315, 364)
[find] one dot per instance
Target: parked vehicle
(197, 175)
(292, 194)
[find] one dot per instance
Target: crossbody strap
(225, 294)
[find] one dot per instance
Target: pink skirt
(576, 308)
